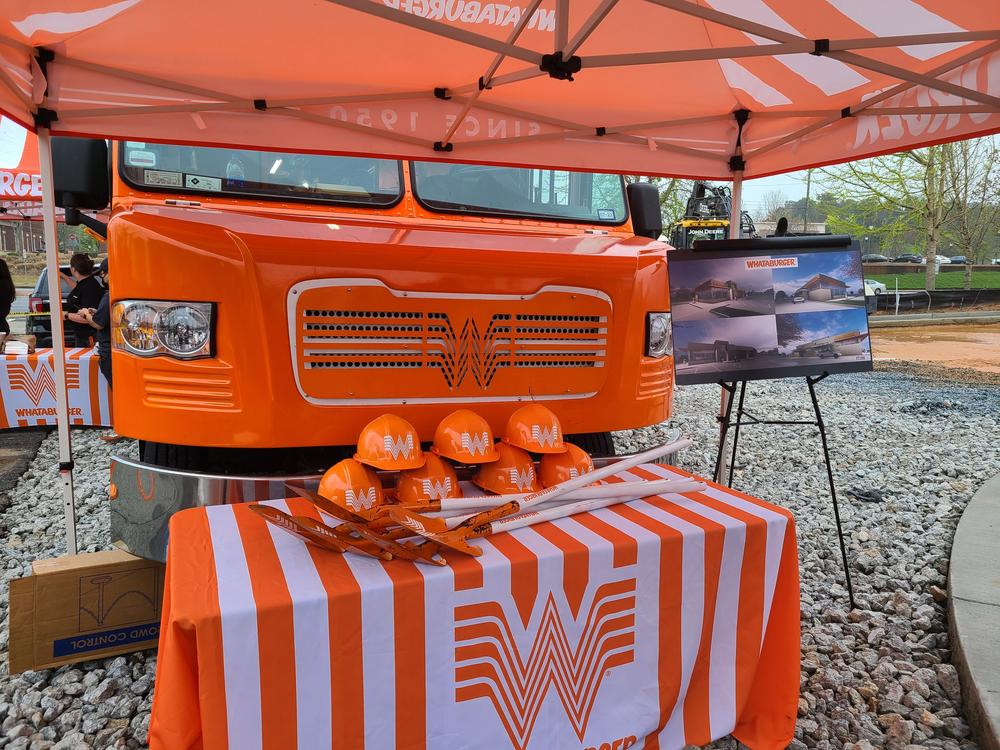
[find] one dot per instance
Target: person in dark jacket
(86, 294)
(7, 295)
(100, 320)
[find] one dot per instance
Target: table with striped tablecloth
(658, 623)
(28, 389)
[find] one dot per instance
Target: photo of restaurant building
(821, 288)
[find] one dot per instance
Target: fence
(924, 301)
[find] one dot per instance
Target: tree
(674, 193)
(908, 189)
(772, 205)
(972, 174)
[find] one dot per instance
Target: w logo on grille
(437, 490)
(36, 383)
(476, 443)
(545, 435)
(362, 500)
(489, 664)
(398, 446)
(523, 480)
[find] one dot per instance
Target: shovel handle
(571, 509)
(574, 483)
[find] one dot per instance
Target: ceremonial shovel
(451, 506)
(450, 519)
(358, 524)
(455, 538)
(314, 532)
(551, 513)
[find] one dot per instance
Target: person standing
(86, 294)
(100, 319)
(7, 295)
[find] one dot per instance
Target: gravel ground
(878, 676)
(875, 677)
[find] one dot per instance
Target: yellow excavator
(707, 216)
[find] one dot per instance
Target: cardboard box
(83, 607)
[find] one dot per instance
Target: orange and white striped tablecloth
(658, 623)
(28, 389)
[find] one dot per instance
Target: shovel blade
(434, 530)
(294, 526)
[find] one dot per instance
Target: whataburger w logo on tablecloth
(36, 381)
(489, 664)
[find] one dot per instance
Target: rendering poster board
(768, 308)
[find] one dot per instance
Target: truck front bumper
(144, 497)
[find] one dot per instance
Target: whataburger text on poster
(772, 308)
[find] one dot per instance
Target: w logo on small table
(35, 383)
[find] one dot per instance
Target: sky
(793, 185)
(837, 265)
(818, 325)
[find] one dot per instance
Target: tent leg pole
(734, 234)
(58, 339)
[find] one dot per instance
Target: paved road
(20, 306)
(727, 309)
(814, 306)
(766, 361)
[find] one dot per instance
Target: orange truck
(266, 306)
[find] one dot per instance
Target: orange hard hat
(466, 437)
(536, 429)
(435, 480)
(556, 468)
(351, 485)
(512, 472)
(390, 442)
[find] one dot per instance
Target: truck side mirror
(644, 204)
(81, 173)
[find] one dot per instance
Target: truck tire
(597, 444)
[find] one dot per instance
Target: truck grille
(358, 340)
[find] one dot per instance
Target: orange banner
(19, 176)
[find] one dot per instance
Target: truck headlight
(659, 342)
(150, 328)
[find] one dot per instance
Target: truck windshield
(578, 197)
(238, 172)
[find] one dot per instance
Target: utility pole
(805, 217)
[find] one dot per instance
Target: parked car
(908, 258)
(877, 287)
(995, 262)
(39, 325)
(796, 300)
(873, 258)
(960, 259)
(829, 353)
(942, 260)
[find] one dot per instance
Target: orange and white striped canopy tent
(631, 86)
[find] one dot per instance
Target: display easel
(743, 417)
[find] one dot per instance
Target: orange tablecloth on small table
(657, 623)
(28, 389)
